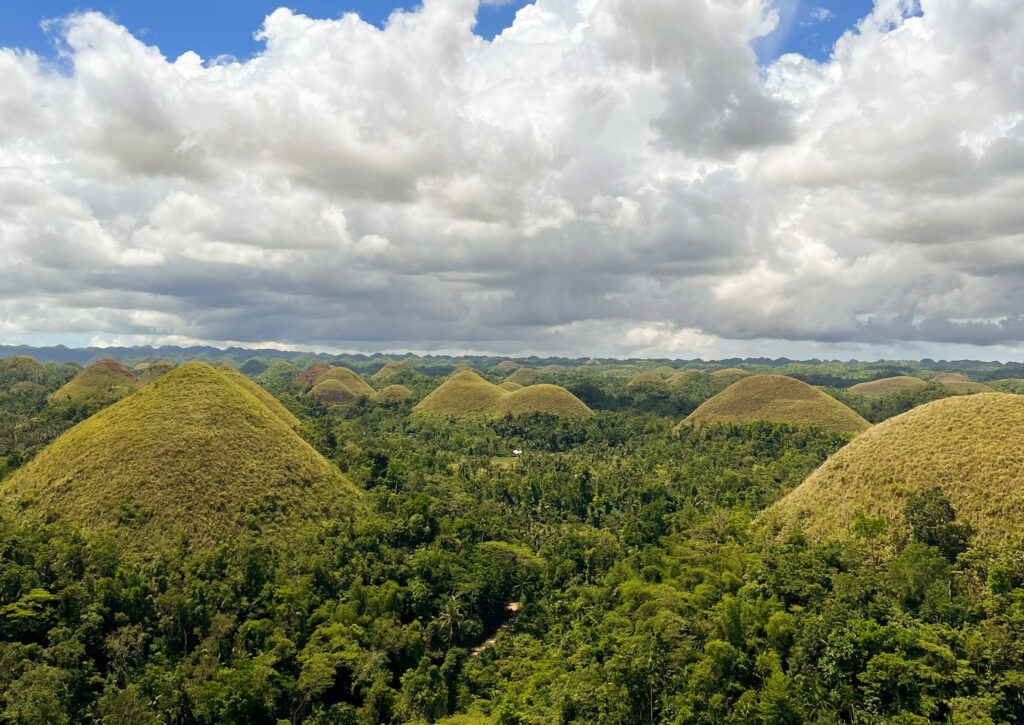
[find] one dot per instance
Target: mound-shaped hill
(396, 373)
(394, 394)
(510, 386)
(310, 375)
(524, 376)
(154, 372)
(279, 373)
(106, 381)
(685, 376)
(644, 379)
(274, 405)
(951, 378)
(664, 371)
(27, 386)
(886, 386)
(778, 398)
(507, 365)
(543, 398)
(966, 387)
(193, 453)
(1008, 385)
(355, 384)
(970, 446)
(464, 395)
(21, 369)
(728, 376)
(332, 392)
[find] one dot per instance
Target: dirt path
(510, 618)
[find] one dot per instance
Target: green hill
(332, 392)
(273, 404)
(507, 365)
(27, 386)
(194, 453)
(966, 387)
(951, 378)
(777, 398)
(279, 374)
(728, 376)
(524, 376)
(154, 372)
(543, 398)
(105, 381)
(967, 445)
(887, 386)
(645, 379)
(1008, 385)
(685, 376)
(394, 394)
(355, 384)
(21, 369)
(308, 377)
(463, 395)
(396, 373)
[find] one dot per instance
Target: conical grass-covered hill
(394, 394)
(308, 377)
(154, 372)
(193, 454)
(349, 378)
(886, 386)
(464, 395)
(332, 392)
(645, 379)
(20, 369)
(467, 395)
(105, 381)
(396, 373)
(524, 376)
(510, 386)
(543, 398)
(777, 398)
(728, 376)
(970, 446)
(273, 404)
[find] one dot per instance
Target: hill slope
(968, 445)
(394, 394)
(886, 386)
(253, 388)
(106, 380)
(192, 453)
(543, 398)
(778, 398)
(20, 369)
(155, 371)
(355, 384)
(464, 395)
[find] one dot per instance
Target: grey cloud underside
(609, 176)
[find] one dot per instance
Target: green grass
(966, 387)
(543, 398)
(728, 376)
(355, 384)
(396, 373)
(106, 381)
(394, 394)
(776, 398)
(510, 386)
(970, 446)
(950, 378)
(467, 395)
(154, 372)
(272, 403)
(685, 376)
(279, 373)
(194, 453)
(887, 386)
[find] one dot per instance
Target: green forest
(621, 566)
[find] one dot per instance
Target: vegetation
(778, 398)
(308, 377)
(524, 376)
(155, 371)
(192, 454)
(966, 445)
(332, 392)
(728, 376)
(394, 394)
(105, 382)
(887, 386)
(467, 395)
(355, 384)
(542, 398)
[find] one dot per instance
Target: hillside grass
(332, 392)
(728, 376)
(308, 377)
(21, 369)
(510, 386)
(394, 394)
(154, 372)
(524, 376)
(349, 378)
(106, 381)
(965, 387)
(193, 454)
(886, 386)
(253, 388)
(645, 379)
(543, 398)
(468, 395)
(776, 398)
(1008, 385)
(970, 446)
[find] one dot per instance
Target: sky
(714, 178)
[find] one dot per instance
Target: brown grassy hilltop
(309, 376)
(192, 453)
(887, 386)
(970, 446)
(778, 398)
(524, 376)
(467, 395)
(106, 381)
(543, 398)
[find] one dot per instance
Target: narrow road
(510, 618)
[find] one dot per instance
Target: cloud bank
(605, 177)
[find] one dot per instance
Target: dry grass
(970, 446)
(154, 372)
(332, 392)
(308, 377)
(543, 399)
(395, 394)
(27, 386)
(349, 378)
(728, 376)
(950, 378)
(467, 395)
(645, 379)
(396, 373)
(966, 387)
(887, 386)
(524, 376)
(189, 454)
(262, 395)
(107, 380)
(684, 376)
(778, 398)
(507, 365)
(510, 386)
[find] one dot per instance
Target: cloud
(604, 177)
(817, 15)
